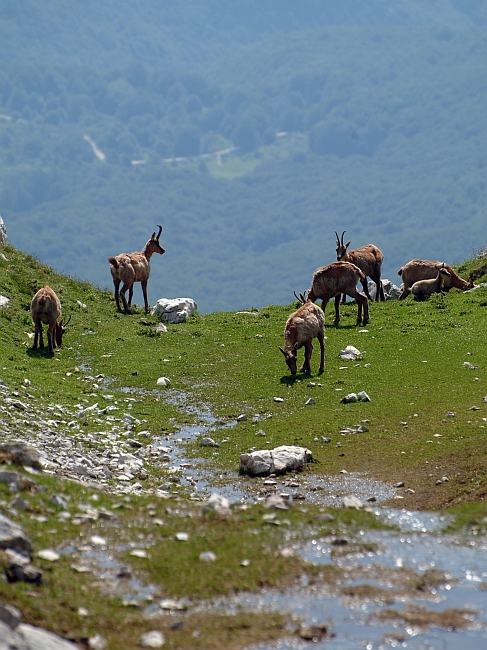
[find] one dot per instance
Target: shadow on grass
(40, 353)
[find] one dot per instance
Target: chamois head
(154, 242)
(60, 329)
(291, 358)
(342, 248)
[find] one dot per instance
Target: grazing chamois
(416, 270)
(45, 307)
(422, 289)
(332, 281)
(304, 325)
(134, 267)
(369, 260)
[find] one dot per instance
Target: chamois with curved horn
(335, 279)
(369, 260)
(45, 307)
(134, 267)
(304, 325)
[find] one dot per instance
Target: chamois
(422, 289)
(134, 267)
(369, 260)
(45, 307)
(304, 325)
(416, 270)
(335, 279)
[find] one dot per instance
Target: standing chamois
(46, 308)
(423, 289)
(304, 325)
(134, 267)
(332, 281)
(369, 260)
(416, 270)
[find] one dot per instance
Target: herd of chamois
(336, 280)
(420, 277)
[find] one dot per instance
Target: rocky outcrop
(3, 232)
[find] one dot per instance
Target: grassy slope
(230, 362)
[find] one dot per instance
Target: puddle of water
(352, 621)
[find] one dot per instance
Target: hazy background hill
(365, 117)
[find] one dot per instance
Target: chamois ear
(282, 351)
(348, 244)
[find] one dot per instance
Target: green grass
(411, 367)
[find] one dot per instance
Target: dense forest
(250, 131)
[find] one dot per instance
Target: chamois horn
(159, 233)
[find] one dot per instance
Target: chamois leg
(37, 335)
(321, 339)
(405, 293)
(143, 284)
(50, 338)
(337, 310)
(122, 296)
(379, 294)
(365, 287)
(116, 284)
(308, 351)
(131, 295)
(363, 306)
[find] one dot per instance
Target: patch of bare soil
(448, 619)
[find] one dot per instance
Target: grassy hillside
(226, 364)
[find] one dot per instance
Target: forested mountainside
(250, 132)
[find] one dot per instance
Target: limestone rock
(275, 461)
(177, 310)
(3, 232)
(218, 504)
(12, 536)
(16, 451)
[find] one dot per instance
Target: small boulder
(275, 461)
(177, 310)
(16, 451)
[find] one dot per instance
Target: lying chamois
(332, 281)
(416, 270)
(46, 308)
(423, 289)
(369, 260)
(306, 324)
(134, 267)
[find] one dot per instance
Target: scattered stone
(324, 439)
(242, 418)
(182, 537)
(208, 442)
(96, 540)
(260, 432)
(275, 461)
(450, 414)
(218, 504)
(352, 502)
(48, 554)
(59, 501)
(207, 556)
(97, 642)
(10, 615)
(138, 552)
(16, 451)
(152, 639)
(309, 402)
(161, 329)
(277, 502)
(19, 572)
(176, 605)
(350, 398)
(82, 611)
(34, 638)
(245, 562)
(350, 353)
(278, 399)
(286, 552)
(474, 408)
(163, 381)
(12, 536)
(177, 310)
(400, 484)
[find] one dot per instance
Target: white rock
(352, 502)
(363, 397)
(138, 552)
(177, 310)
(4, 300)
(218, 503)
(152, 639)
(348, 399)
(208, 442)
(96, 540)
(163, 381)
(275, 461)
(207, 556)
(49, 555)
(350, 353)
(182, 537)
(97, 642)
